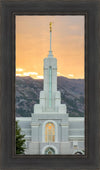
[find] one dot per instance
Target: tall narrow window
(49, 132)
(50, 85)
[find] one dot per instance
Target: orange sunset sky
(33, 41)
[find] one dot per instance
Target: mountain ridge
(28, 89)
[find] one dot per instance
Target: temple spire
(50, 34)
(50, 51)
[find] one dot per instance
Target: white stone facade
(69, 140)
(50, 130)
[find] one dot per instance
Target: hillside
(28, 89)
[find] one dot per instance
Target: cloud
(30, 73)
(19, 69)
(71, 75)
(40, 77)
(58, 73)
(18, 74)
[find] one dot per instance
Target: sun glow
(32, 45)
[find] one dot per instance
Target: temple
(50, 130)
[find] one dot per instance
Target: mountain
(28, 90)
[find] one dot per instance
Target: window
(49, 151)
(49, 132)
(50, 86)
(78, 153)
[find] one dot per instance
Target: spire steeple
(50, 51)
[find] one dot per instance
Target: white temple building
(50, 130)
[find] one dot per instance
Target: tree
(20, 141)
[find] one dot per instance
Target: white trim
(65, 125)
(76, 136)
(72, 119)
(32, 124)
(43, 130)
(77, 129)
(26, 129)
(24, 118)
(49, 146)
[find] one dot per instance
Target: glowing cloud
(19, 69)
(40, 77)
(30, 73)
(58, 74)
(70, 75)
(18, 74)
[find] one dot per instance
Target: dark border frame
(90, 9)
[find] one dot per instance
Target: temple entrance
(50, 151)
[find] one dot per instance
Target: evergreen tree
(20, 141)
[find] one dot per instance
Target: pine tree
(20, 141)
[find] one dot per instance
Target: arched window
(49, 132)
(49, 151)
(78, 153)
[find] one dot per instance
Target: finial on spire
(50, 26)
(50, 51)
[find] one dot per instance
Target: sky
(33, 44)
